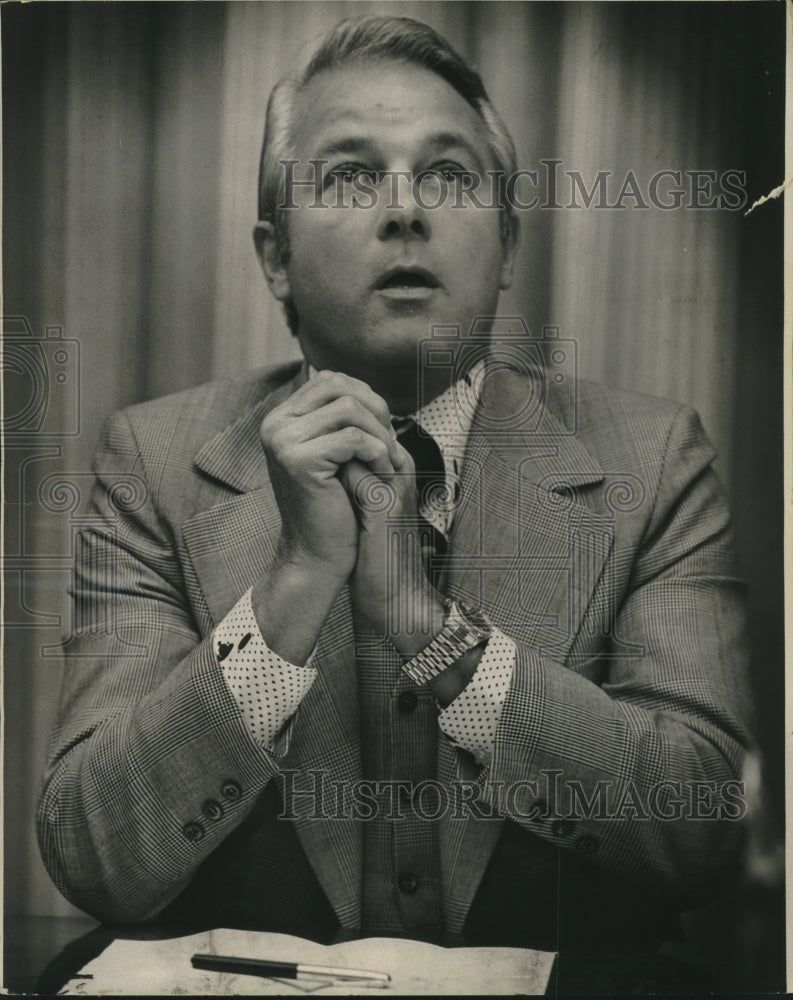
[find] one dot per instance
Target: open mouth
(407, 277)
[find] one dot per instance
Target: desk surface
(63, 945)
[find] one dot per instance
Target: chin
(393, 346)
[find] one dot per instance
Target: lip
(407, 291)
(411, 293)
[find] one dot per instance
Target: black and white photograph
(393, 547)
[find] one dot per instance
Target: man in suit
(411, 638)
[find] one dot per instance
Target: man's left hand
(390, 590)
(391, 593)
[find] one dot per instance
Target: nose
(402, 213)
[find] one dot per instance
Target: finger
(345, 411)
(327, 385)
(371, 494)
(406, 464)
(326, 454)
(377, 494)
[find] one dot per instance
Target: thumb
(370, 495)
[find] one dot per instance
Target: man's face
(368, 283)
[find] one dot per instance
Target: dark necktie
(430, 479)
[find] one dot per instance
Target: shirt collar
(448, 417)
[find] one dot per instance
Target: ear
(270, 260)
(510, 253)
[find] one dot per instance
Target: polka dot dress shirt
(269, 689)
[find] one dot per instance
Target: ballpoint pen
(288, 970)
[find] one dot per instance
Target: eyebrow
(450, 140)
(345, 145)
(350, 145)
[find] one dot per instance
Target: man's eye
(346, 173)
(451, 172)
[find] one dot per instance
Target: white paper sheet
(162, 968)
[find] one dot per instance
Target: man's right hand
(331, 420)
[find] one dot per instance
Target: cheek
(326, 245)
(328, 226)
(479, 255)
(476, 230)
(321, 253)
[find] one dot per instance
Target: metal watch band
(463, 629)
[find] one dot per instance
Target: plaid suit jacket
(594, 534)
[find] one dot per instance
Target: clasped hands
(344, 486)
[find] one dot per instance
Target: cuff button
(212, 810)
(586, 845)
(230, 790)
(193, 831)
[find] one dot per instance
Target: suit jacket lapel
(514, 552)
(234, 456)
(527, 502)
(231, 545)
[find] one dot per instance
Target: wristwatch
(463, 629)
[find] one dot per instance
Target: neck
(399, 385)
(404, 391)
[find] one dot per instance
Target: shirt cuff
(267, 688)
(470, 721)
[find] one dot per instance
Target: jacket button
(230, 790)
(211, 809)
(193, 831)
(586, 845)
(407, 702)
(407, 882)
(561, 827)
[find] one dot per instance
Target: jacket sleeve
(635, 761)
(150, 764)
